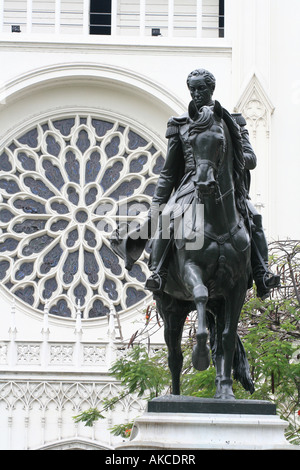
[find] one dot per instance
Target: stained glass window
(65, 184)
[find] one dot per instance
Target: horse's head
(207, 138)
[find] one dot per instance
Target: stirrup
(155, 283)
(271, 280)
(267, 282)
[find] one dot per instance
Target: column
(86, 17)
(29, 16)
(57, 16)
(171, 18)
(12, 333)
(1, 15)
(114, 13)
(111, 333)
(229, 23)
(199, 18)
(26, 425)
(142, 17)
(45, 334)
(111, 323)
(78, 325)
(43, 426)
(78, 333)
(9, 433)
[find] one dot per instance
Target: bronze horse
(214, 278)
(209, 267)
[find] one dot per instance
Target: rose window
(65, 183)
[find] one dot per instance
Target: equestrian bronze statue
(207, 241)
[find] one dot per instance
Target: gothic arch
(87, 73)
(75, 444)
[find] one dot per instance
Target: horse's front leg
(193, 279)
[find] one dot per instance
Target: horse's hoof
(224, 396)
(224, 391)
(201, 358)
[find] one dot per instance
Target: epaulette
(172, 128)
(174, 124)
(239, 119)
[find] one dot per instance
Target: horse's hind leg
(193, 279)
(233, 306)
(219, 353)
(174, 317)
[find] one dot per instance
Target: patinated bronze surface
(208, 243)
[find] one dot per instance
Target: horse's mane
(238, 162)
(204, 121)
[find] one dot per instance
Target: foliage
(271, 336)
(89, 416)
(123, 430)
(140, 373)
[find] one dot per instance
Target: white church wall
(141, 81)
(265, 42)
(285, 93)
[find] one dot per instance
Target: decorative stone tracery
(50, 407)
(65, 182)
(257, 109)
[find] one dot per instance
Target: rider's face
(200, 92)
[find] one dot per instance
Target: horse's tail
(241, 370)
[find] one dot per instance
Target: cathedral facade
(85, 97)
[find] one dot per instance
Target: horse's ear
(218, 110)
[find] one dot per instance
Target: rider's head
(201, 84)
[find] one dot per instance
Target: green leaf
(89, 417)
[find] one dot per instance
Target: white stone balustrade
(46, 353)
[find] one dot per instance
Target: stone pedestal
(182, 423)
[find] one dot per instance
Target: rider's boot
(264, 279)
(156, 282)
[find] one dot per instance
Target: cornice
(75, 443)
(118, 45)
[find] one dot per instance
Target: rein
(238, 226)
(219, 199)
